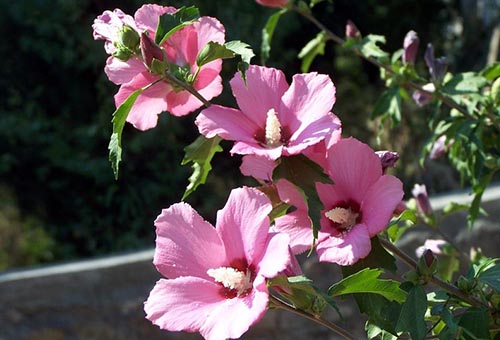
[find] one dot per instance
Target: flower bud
(129, 38)
(437, 67)
(351, 31)
(387, 158)
(273, 3)
(410, 47)
(423, 203)
(440, 147)
(150, 50)
(422, 98)
(427, 264)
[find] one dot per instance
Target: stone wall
(102, 298)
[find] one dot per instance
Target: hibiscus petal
(263, 91)
(309, 98)
(209, 29)
(149, 104)
(182, 304)
(297, 224)
(243, 224)
(380, 202)
(311, 134)
(353, 167)
(252, 148)
(257, 167)
(148, 15)
(233, 317)
(276, 257)
(347, 249)
(331, 195)
(120, 72)
(186, 245)
(226, 122)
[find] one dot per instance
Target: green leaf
(213, 51)
(170, 23)
(369, 47)
(367, 281)
(454, 207)
(381, 312)
(395, 230)
(304, 174)
(244, 51)
(312, 49)
(491, 277)
(119, 118)
(200, 153)
(492, 71)
(412, 315)
(389, 105)
(474, 323)
(267, 35)
(464, 83)
(305, 295)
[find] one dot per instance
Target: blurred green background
(58, 197)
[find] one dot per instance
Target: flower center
(273, 129)
(232, 279)
(345, 218)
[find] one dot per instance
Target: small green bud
(411, 276)
(129, 38)
(464, 284)
(122, 53)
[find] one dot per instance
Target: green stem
(188, 88)
(432, 279)
(334, 328)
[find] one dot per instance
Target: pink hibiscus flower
(272, 3)
(274, 119)
(181, 49)
(358, 205)
(108, 27)
(217, 276)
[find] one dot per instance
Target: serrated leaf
(454, 207)
(381, 312)
(169, 23)
(213, 51)
(367, 281)
(389, 104)
(369, 46)
(304, 174)
(491, 277)
(267, 35)
(119, 119)
(244, 51)
(395, 230)
(411, 319)
(200, 153)
(464, 83)
(312, 49)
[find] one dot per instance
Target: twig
(188, 88)
(334, 328)
(432, 279)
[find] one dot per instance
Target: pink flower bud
(351, 31)
(440, 147)
(410, 47)
(150, 50)
(387, 158)
(419, 191)
(422, 98)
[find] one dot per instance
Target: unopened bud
(129, 38)
(422, 98)
(351, 31)
(440, 147)
(437, 67)
(419, 191)
(464, 284)
(427, 264)
(410, 47)
(150, 50)
(387, 158)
